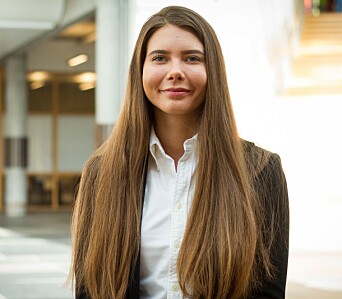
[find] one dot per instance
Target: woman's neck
(172, 131)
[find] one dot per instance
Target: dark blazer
(272, 180)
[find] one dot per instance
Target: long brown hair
(223, 246)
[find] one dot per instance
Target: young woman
(174, 204)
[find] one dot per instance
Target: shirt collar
(155, 145)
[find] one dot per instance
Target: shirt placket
(178, 221)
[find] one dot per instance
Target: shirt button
(175, 287)
(178, 206)
(177, 244)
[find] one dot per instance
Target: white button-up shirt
(168, 195)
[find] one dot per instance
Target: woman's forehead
(174, 35)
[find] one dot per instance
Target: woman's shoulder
(260, 160)
(256, 151)
(267, 174)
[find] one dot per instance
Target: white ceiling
(23, 21)
(27, 25)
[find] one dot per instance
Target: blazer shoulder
(252, 148)
(259, 159)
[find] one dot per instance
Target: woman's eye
(193, 59)
(159, 58)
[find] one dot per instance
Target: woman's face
(174, 72)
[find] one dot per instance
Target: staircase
(317, 64)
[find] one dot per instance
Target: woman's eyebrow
(194, 51)
(158, 52)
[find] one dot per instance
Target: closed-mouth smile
(176, 91)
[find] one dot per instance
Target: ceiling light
(84, 77)
(86, 86)
(79, 30)
(37, 84)
(77, 60)
(38, 76)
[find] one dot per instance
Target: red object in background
(308, 6)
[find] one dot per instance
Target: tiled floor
(35, 259)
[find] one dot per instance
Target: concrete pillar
(111, 62)
(15, 143)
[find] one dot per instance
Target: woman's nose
(175, 72)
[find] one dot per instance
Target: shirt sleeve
(273, 181)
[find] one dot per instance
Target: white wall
(39, 149)
(76, 142)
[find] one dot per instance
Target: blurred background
(63, 69)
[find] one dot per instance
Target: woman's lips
(176, 92)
